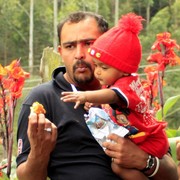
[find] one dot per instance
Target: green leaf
(167, 106)
(170, 103)
(171, 133)
(178, 132)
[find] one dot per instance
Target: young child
(116, 55)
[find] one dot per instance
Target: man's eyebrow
(80, 41)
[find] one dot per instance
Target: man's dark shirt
(77, 155)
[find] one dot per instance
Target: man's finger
(33, 122)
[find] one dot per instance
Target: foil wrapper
(101, 125)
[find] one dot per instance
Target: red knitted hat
(120, 46)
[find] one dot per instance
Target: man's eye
(70, 46)
(89, 43)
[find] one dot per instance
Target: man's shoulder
(39, 92)
(44, 87)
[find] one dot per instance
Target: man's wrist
(150, 163)
(152, 166)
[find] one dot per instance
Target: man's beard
(85, 79)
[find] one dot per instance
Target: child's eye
(104, 67)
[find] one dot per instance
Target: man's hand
(125, 153)
(41, 140)
(128, 155)
(42, 136)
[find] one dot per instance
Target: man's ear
(60, 52)
(59, 49)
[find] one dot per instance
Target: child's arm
(103, 96)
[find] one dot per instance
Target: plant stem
(161, 98)
(11, 122)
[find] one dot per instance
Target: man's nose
(80, 52)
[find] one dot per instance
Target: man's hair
(82, 15)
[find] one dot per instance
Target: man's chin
(83, 79)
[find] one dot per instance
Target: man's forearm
(167, 169)
(32, 169)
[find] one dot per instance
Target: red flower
(1, 174)
(151, 85)
(12, 78)
(3, 72)
(166, 55)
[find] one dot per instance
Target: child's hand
(78, 97)
(87, 106)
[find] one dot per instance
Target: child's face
(106, 74)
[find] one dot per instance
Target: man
(69, 151)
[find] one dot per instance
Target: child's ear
(126, 74)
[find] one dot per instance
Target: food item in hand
(37, 108)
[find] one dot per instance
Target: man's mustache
(81, 63)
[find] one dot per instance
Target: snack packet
(101, 125)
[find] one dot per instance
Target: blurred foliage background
(160, 16)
